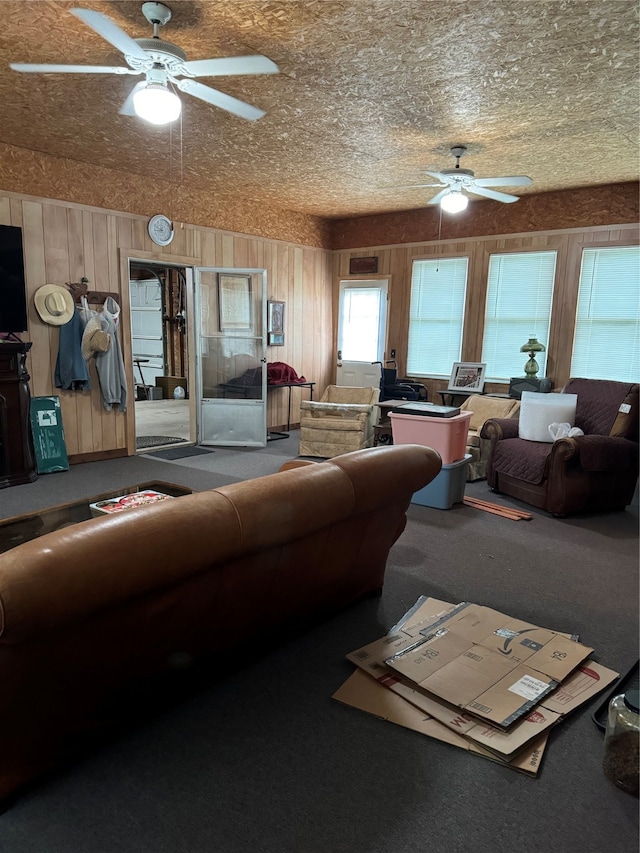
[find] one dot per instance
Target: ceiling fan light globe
(454, 202)
(156, 104)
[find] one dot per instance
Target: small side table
(382, 433)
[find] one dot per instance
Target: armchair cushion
(341, 421)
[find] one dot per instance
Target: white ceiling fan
(162, 63)
(454, 181)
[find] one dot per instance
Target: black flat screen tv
(13, 293)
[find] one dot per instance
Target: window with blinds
(606, 342)
(518, 307)
(436, 317)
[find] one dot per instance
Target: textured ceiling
(370, 94)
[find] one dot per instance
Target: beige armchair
(483, 408)
(341, 421)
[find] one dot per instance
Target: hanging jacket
(71, 373)
(110, 364)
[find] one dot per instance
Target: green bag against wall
(48, 435)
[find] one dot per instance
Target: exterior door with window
(362, 332)
(231, 356)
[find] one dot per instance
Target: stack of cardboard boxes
(475, 678)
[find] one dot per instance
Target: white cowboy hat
(94, 339)
(54, 303)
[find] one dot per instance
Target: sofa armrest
(498, 428)
(598, 452)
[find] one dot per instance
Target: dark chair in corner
(593, 472)
(392, 388)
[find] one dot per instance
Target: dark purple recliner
(593, 472)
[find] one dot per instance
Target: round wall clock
(160, 229)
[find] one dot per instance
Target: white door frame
(363, 373)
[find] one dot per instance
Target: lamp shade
(156, 104)
(533, 345)
(454, 202)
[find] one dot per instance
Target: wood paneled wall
(65, 241)
(395, 263)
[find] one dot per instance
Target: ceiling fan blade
(439, 175)
(219, 99)
(512, 181)
(127, 108)
(231, 65)
(416, 186)
(439, 196)
(109, 31)
(71, 69)
(508, 199)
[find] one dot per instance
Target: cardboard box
(585, 682)
(366, 694)
(446, 435)
(115, 505)
(488, 664)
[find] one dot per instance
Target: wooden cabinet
(17, 459)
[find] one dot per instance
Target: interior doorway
(362, 332)
(159, 346)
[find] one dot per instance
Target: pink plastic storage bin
(446, 435)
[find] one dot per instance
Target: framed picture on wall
(234, 302)
(275, 323)
(467, 376)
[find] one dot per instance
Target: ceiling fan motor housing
(457, 172)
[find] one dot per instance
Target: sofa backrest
(605, 407)
(326, 528)
(351, 394)
(484, 407)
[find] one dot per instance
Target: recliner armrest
(498, 428)
(598, 452)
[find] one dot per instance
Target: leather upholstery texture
(99, 616)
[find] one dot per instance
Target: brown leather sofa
(100, 621)
(596, 471)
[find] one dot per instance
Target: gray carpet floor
(265, 760)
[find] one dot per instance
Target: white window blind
(438, 289)
(518, 307)
(607, 332)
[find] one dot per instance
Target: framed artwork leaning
(468, 377)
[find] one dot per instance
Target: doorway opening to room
(362, 331)
(160, 354)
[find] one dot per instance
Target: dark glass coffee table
(22, 528)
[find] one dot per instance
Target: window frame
(452, 256)
(548, 335)
(581, 249)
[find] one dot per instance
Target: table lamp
(532, 346)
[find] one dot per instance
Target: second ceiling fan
(454, 181)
